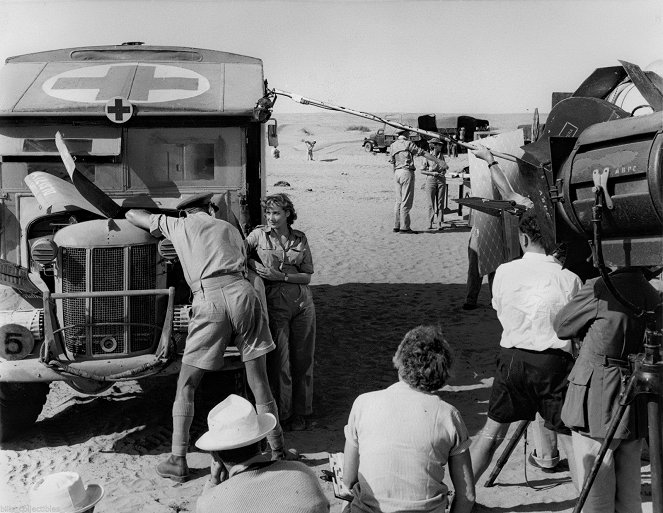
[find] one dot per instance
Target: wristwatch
(493, 163)
(285, 276)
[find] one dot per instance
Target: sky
(453, 56)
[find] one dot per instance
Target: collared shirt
(206, 246)
(434, 167)
(292, 257)
(405, 438)
(402, 153)
(528, 293)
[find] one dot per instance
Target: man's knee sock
(275, 436)
(182, 419)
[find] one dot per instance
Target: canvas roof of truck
(156, 80)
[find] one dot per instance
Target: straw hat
(64, 492)
(234, 423)
(435, 140)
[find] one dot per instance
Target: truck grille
(109, 269)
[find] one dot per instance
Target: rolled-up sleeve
(414, 149)
(159, 226)
(460, 435)
(350, 429)
(252, 240)
(307, 261)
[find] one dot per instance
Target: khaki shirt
(402, 154)
(294, 257)
(206, 246)
(434, 167)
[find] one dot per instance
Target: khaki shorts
(223, 314)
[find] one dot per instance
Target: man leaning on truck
(225, 308)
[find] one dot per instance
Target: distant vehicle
(378, 141)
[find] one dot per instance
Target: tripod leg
(610, 434)
(654, 422)
(501, 461)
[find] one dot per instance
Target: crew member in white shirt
(533, 364)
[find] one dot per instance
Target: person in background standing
(436, 185)
(286, 265)
(402, 152)
(309, 149)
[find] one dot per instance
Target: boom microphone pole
(328, 106)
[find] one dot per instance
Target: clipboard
(336, 465)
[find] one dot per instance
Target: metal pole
(323, 105)
(501, 461)
(654, 429)
(610, 434)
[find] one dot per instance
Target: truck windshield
(142, 159)
(186, 157)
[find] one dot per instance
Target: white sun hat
(234, 423)
(64, 492)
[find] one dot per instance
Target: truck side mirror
(272, 133)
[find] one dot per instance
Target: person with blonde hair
(282, 257)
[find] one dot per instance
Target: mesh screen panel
(73, 310)
(108, 274)
(108, 269)
(142, 309)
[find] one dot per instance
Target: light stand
(501, 461)
(646, 378)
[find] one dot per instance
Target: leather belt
(215, 282)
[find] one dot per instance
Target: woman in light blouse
(282, 258)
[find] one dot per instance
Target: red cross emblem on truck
(137, 82)
(119, 110)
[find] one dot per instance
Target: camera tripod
(647, 378)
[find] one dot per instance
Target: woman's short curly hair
(283, 201)
(423, 359)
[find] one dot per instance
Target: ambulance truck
(83, 298)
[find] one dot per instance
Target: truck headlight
(44, 251)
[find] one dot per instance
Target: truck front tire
(368, 146)
(20, 405)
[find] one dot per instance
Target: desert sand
(370, 287)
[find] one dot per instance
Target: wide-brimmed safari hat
(64, 492)
(201, 199)
(234, 423)
(435, 140)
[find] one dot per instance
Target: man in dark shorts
(225, 309)
(533, 364)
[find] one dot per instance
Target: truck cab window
(181, 157)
